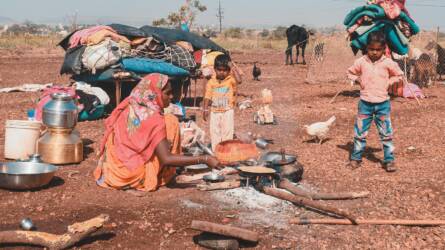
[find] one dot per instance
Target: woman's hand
(212, 162)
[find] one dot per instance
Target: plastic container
(21, 138)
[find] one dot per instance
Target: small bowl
(213, 177)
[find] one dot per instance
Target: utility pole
(220, 16)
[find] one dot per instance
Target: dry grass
(250, 43)
(28, 41)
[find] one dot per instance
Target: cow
(299, 37)
(440, 52)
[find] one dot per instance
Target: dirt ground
(159, 220)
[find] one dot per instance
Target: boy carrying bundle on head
(375, 73)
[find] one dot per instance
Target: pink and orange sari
(133, 131)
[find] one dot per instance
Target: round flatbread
(257, 170)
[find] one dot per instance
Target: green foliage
(186, 12)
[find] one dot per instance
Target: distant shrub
(265, 33)
(233, 33)
(279, 33)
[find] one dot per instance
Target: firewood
(304, 202)
(286, 184)
(229, 231)
(369, 222)
(219, 186)
(76, 232)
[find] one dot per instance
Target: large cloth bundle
(174, 35)
(365, 19)
(101, 56)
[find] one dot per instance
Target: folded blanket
(393, 40)
(147, 66)
(396, 39)
(372, 11)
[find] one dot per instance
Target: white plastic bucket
(21, 138)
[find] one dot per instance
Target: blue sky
(245, 13)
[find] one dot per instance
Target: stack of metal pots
(61, 143)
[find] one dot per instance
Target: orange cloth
(111, 173)
(100, 36)
(221, 93)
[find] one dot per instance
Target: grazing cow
(424, 71)
(440, 52)
(299, 37)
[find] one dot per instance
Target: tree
(279, 32)
(187, 12)
(265, 33)
(233, 33)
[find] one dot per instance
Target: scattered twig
(76, 232)
(300, 201)
(289, 186)
(369, 222)
(230, 231)
(219, 186)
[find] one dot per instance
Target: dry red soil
(416, 191)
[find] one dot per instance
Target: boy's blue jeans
(380, 113)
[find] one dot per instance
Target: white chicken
(320, 130)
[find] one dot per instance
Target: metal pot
(25, 175)
(60, 112)
(60, 146)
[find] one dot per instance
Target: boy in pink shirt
(375, 73)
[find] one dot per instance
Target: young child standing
(375, 73)
(220, 95)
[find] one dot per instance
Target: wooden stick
(196, 92)
(289, 186)
(369, 222)
(335, 96)
(236, 232)
(411, 91)
(300, 201)
(76, 232)
(118, 91)
(197, 177)
(219, 186)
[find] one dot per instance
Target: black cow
(299, 37)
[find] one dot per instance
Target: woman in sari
(141, 145)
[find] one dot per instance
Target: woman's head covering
(138, 123)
